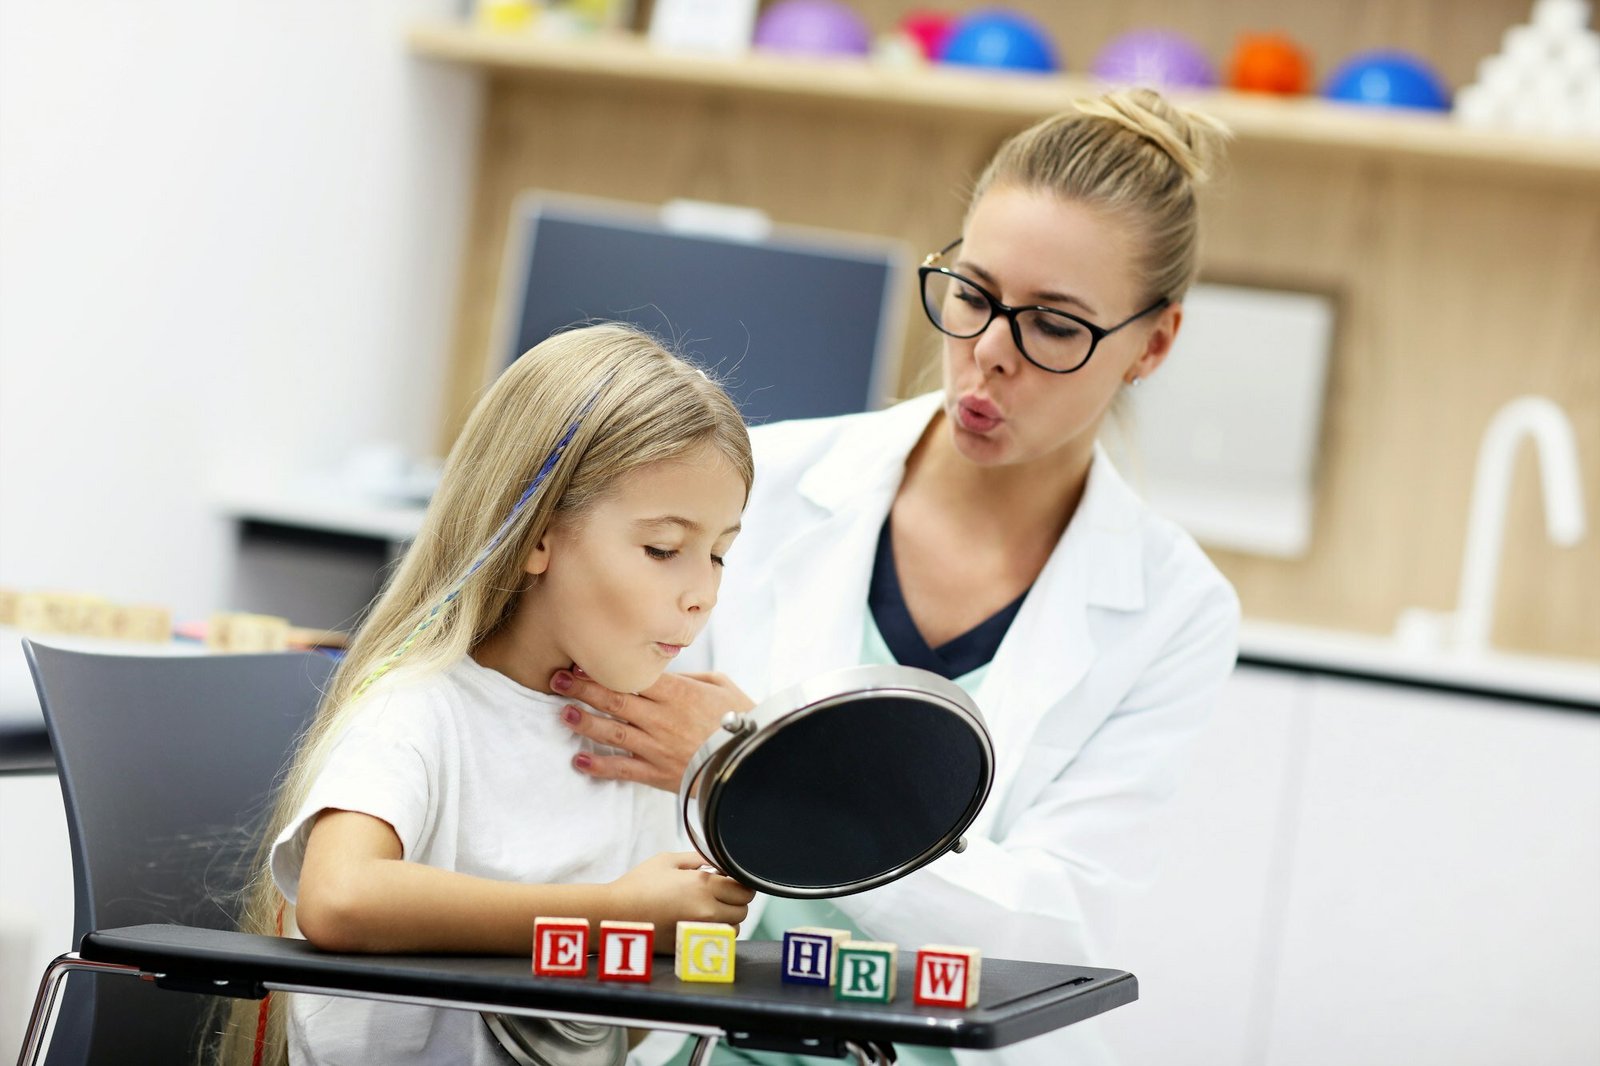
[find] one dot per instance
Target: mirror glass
(844, 783)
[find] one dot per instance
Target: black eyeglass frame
(1096, 333)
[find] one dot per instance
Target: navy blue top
(956, 658)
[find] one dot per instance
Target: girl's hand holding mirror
(674, 887)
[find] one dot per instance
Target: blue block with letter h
(809, 954)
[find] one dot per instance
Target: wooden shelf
(1305, 122)
(1445, 248)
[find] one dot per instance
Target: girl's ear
(538, 560)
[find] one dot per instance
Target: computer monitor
(795, 322)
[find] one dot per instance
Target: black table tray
(1017, 1000)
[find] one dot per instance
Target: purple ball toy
(1159, 59)
(813, 27)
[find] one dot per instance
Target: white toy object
(1545, 79)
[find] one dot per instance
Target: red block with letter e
(626, 950)
(947, 977)
(560, 947)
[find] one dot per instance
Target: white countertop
(1500, 673)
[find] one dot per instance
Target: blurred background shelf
(1307, 121)
(1459, 262)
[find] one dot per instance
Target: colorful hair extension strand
(545, 468)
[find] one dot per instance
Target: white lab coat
(1103, 680)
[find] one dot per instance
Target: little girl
(581, 522)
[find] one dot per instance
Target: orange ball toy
(1269, 63)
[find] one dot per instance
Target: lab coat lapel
(821, 575)
(1050, 646)
(819, 591)
(1044, 656)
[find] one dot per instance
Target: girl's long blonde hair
(633, 404)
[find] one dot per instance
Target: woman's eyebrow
(1045, 297)
(686, 523)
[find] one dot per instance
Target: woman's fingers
(612, 732)
(596, 695)
(618, 768)
(661, 727)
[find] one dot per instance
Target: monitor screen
(795, 323)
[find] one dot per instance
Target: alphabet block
(809, 952)
(58, 612)
(627, 951)
(947, 976)
(560, 947)
(139, 622)
(866, 971)
(238, 632)
(705, 952)
(80, 615)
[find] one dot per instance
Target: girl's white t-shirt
(474, 773)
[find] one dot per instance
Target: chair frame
(34, 1043)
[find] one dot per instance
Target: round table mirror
(842, 783)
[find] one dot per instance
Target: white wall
(229, 246)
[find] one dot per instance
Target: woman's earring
(1135, 381)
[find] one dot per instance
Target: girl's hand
(661, 728)
(671, 888)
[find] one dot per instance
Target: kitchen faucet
(1557, 453)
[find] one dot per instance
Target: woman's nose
(995, 349)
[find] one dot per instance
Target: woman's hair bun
(1193, 139)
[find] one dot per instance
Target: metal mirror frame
(742, 734)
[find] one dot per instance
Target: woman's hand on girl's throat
(661, 728)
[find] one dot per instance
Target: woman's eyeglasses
(1051, 340)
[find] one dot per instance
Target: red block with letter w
(947, 976)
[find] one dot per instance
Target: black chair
(167, 766)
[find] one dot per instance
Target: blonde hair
(634, 404)
(1132, 154)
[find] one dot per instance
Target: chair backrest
(167, 768)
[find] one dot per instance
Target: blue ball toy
(1388, 79)
(1000, 39)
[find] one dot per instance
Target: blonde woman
(981, 532)
(581, 521)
